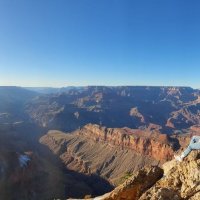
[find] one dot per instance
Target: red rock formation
(150, 143)
(195, 129)
(109, 152)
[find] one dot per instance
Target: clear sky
(99, 42)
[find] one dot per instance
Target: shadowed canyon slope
(25, 174)
(29, 171)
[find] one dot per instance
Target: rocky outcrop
(181, 181)
(134, 112)
(135, 186)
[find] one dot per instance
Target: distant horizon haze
(65, 86)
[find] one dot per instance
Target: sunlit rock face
(181, 181)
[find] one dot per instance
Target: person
(194, 145)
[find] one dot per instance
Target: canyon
(89, 140)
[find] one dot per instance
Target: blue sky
(99, 42)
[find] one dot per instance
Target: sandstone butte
(174, 181)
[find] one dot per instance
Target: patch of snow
(1, 171)
(23, 160)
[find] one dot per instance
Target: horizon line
(182, 86)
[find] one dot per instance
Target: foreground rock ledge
(134, 187)
(180, 181)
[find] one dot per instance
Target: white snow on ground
(1, 171)
(23, 160)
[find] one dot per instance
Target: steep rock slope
(110, 153)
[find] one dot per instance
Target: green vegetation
(126, 176)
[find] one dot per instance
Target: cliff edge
(176, 181)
